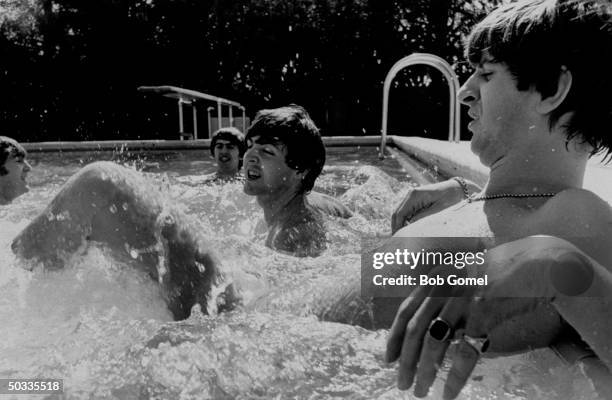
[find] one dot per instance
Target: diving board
(191, 97)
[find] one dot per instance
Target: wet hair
(292, 127)
(537, 39)
(232, 135)
(9, 148)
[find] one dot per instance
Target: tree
(70, 68)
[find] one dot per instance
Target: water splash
(103, 326)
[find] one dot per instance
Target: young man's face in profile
(227, 157)
(13, 184)
(502, 116)
(266, 170)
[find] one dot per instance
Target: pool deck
(456, 159)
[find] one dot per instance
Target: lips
(475, 116)
(471, 126)
(253, 174)
(224, 158)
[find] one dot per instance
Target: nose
(468, 93)
(250, 156)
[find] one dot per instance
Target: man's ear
(302, 174)
(548, 104)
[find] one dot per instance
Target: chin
(249, 190)
(478, 149)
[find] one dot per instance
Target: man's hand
(513, 312)
(425, 200)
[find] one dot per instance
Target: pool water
(103, 327)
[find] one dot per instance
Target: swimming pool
(103, 327)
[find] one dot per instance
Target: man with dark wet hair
(284, 157)
(13, 170)
(227, 147)
(540, 101)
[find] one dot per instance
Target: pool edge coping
(456, 159)
(147, 145)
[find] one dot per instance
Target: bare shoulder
(302, 235)
(583, 208)
(328, 205)
(582, 218)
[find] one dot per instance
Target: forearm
(590, 313)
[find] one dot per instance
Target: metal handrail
(453, 84)
(189, 97)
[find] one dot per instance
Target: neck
(545, 169)
(276, 207)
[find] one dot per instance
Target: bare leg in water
(117, 207)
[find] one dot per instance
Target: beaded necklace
(508, 195)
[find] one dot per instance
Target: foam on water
(103, 326)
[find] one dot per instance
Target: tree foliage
(69, 68)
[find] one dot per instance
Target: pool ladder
(453, 84)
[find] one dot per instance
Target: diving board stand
(191, 97)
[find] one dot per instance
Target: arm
(533, 282)
(425, 200)
(328, 205)
(594, 326)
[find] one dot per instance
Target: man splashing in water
(284, 158)
(116, 206)
(109, 204)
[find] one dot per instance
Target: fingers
(426, 211)
(413, 340)
(433, 351)
(464, 361)
(403, 315)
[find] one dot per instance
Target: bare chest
(502, 220)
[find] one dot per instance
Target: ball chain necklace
(473, 198)
(464, 187)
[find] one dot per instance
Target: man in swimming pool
(115, 206)
(13, 170)
(227, 148)
(284, 157)
(541, 104)
(107, 203)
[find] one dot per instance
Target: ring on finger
(440, 330)
(480, 344)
